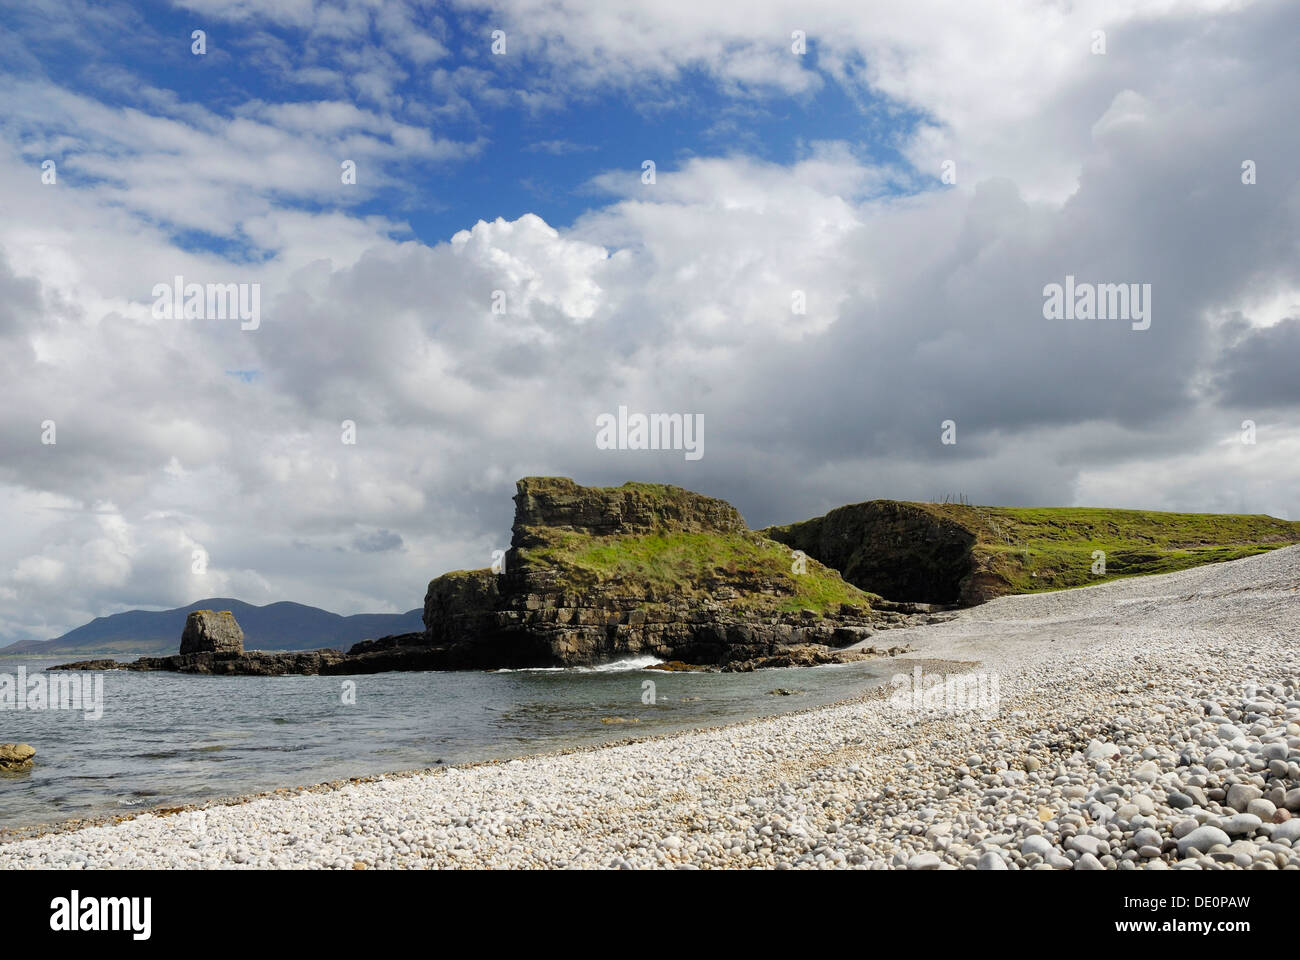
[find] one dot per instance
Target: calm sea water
(170, 739)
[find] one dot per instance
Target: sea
(166, 739)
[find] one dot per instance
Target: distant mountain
(277, 626)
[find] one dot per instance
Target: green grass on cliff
(681, 565)
(1049, 548)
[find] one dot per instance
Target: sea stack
(212, 632)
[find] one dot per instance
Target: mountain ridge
(283, 625)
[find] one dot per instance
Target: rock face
(596, 574)
(16, 757)
(209, 632)
(557, 503)
(898, 550)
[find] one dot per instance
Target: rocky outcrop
(585, 582)
(902, 551)
(208, 632)
(16, 757)
(401, 652)
(213, 643)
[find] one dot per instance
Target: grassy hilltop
(1044, 548)
(958, 552)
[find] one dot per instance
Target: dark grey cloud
(1262, 368)
(377, 541)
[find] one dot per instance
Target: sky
(462, 262)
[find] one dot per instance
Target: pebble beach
(1148, 723)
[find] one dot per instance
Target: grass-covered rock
(596, 573)
(951, 553)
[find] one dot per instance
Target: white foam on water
(614, 666)
(618, 666)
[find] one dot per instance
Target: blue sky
(522, 156)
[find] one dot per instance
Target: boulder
(212, 632)
(15, 757)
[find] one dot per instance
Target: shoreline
(73, 824)
(1147, 723)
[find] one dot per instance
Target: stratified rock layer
(572, 594)
(557, 503)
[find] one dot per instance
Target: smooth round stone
(1149, 851)
(1240, 794)
(1264, 809)
(1202, 838)
(990, 860)
(924, 861)
(1288, 831)
(1088, 862)
(1085, 844)
(1036, 844)
(1242, 823)
(1146, 837)
(1180, 801)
